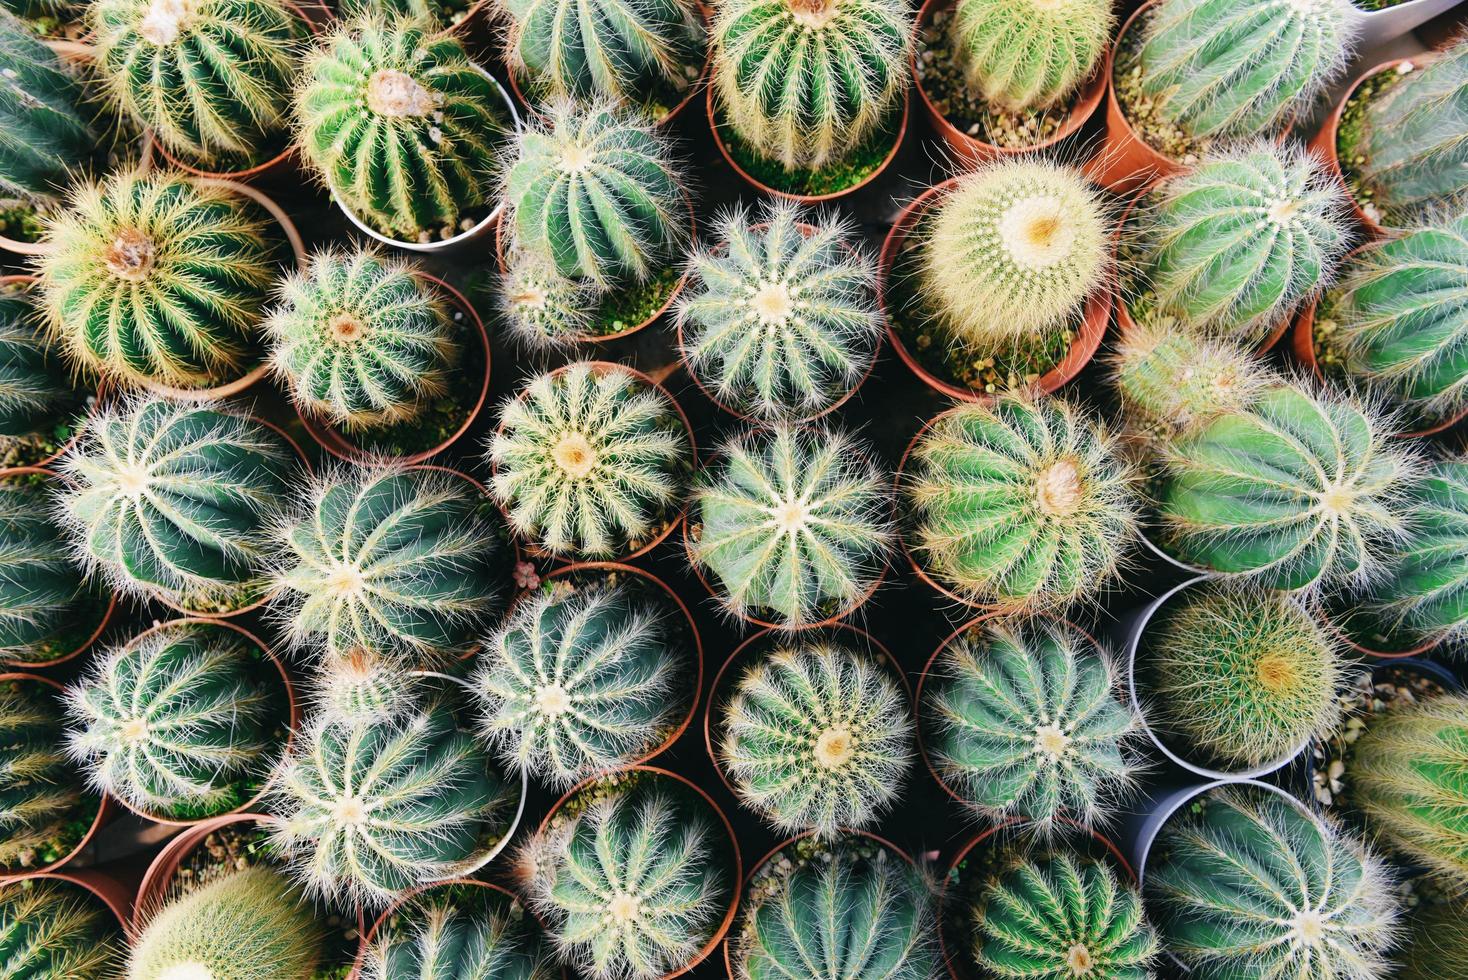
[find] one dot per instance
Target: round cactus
(542, 308)
(360, 685)
(399, 563)
(780, 318)
(46, 133)
(1020, 504)
(805, 82)
(1023, 719)
(589, 460)
(1022, 55)
(816, 736)
(1172, 381)
(54, 930)
(402, 125)
(460, 932)
(36, 389)
(156, 279)
(42, 595)
(43, 809)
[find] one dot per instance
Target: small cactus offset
(630, 876)
(156, 279)
(397, 563)
(249, 925)
(595, 190)
(1239, 678)
(780, 318)
(1171, 381)
(1022, 55)
(41, 792)
(1024, 719)
(581, 682)
(54, 930)
(177, 498)
(1299, 490)
(36, 387)
(590, 460)
(1012, 252)
(816, 736)
(806, 82)
(359, 339)
(1061, 917)
(359, 685)
(47, 134)
(543, 309)
(793, 524)
(847, 908)
(1232, 246)
(178, 722)
(460, 932)
(1249, 883)
(42, 596)
(1026, 505)
(1223, 70)
(401, 125)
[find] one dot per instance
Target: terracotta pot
(1340, 633)
(1126, 161)
(971, 149)
(104, 887)
(1095, 315)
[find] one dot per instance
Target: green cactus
(1224, 70)
(1236, 243)
(54, 930)
(816, 736)
(460, 932)
(36, 389)
(1022, 55)
(42, 14)
(780, 319)
(175, 498)
(543, 309)
(589, 460)
(402, 125)
(1173, 381)
(249, 925)
(594, 189)
(46, 134)
(42, 595)
(581, 682)
(847, 908)
(359, 685)
(1024, 719)
(1239, 678)
(1247, 883)
(400, 563)
(1437, 947)
(156, 279)
(631, 876)
(360, 339)
(1299, 490)
(1012, 251)
(177, 723)
(43, 807)
(1026, 505)
(805, 82)
(1061, 917)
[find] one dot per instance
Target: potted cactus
(43, 401)
(59, 925)
(1436, 945)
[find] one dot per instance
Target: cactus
(1240, 240)
(176, 723)
(1061, 917)
(1012, 252)
(794, 524)
(155, 279)
(1300, 490)
(42, 596)
(210, 79)
(780, 318)
(413, 148)
(630, 876)
(35, 388)
(175, 498)
(41, 793)
(249, 925)
(1020, 504)
(360, 339)
(46, 133)
(589, 460)
(816, 736)
(1238, 677)
(1246, 882)
(1173, 380)
(1222, 70)
(399, 563)
(460, 932)
(596, 191)
(359, 685)
(843, 909)
(806, 82)
(1438, 945)
(542, 308)
(54, 930)
(1022, 55)
(1023, 719)
(1409, 779)
(581, 682)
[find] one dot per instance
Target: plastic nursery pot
(343, 445)
(1126, 161)
(1160, 810)
(116, 896)
(1095, 313)
(971, 149)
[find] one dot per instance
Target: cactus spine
(1438, 945)
(1172, 381)
(1022, 55)
(542, 308)
(40, 791)
(54, 930)
(42, 596)
(35, 388)
(39, 100)
(457, 932)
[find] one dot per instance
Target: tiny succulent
(46, 133)
(542, 308)
(1022, 55)
(54, 930)
(590, 460)
(1172, 380)
(36, 387)
(41, 792)
(780, 318)
(460, 932)
(1024, 719)
(360, 685)
(792, 524)
(816, 735)
(42, 596)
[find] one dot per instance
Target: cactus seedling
(542, 308)
(42, 596)
(1029, 54)
(41, 793)
(35, 388)
(1171, 381)
(54, 930)
(460, 932)
(46, 133)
